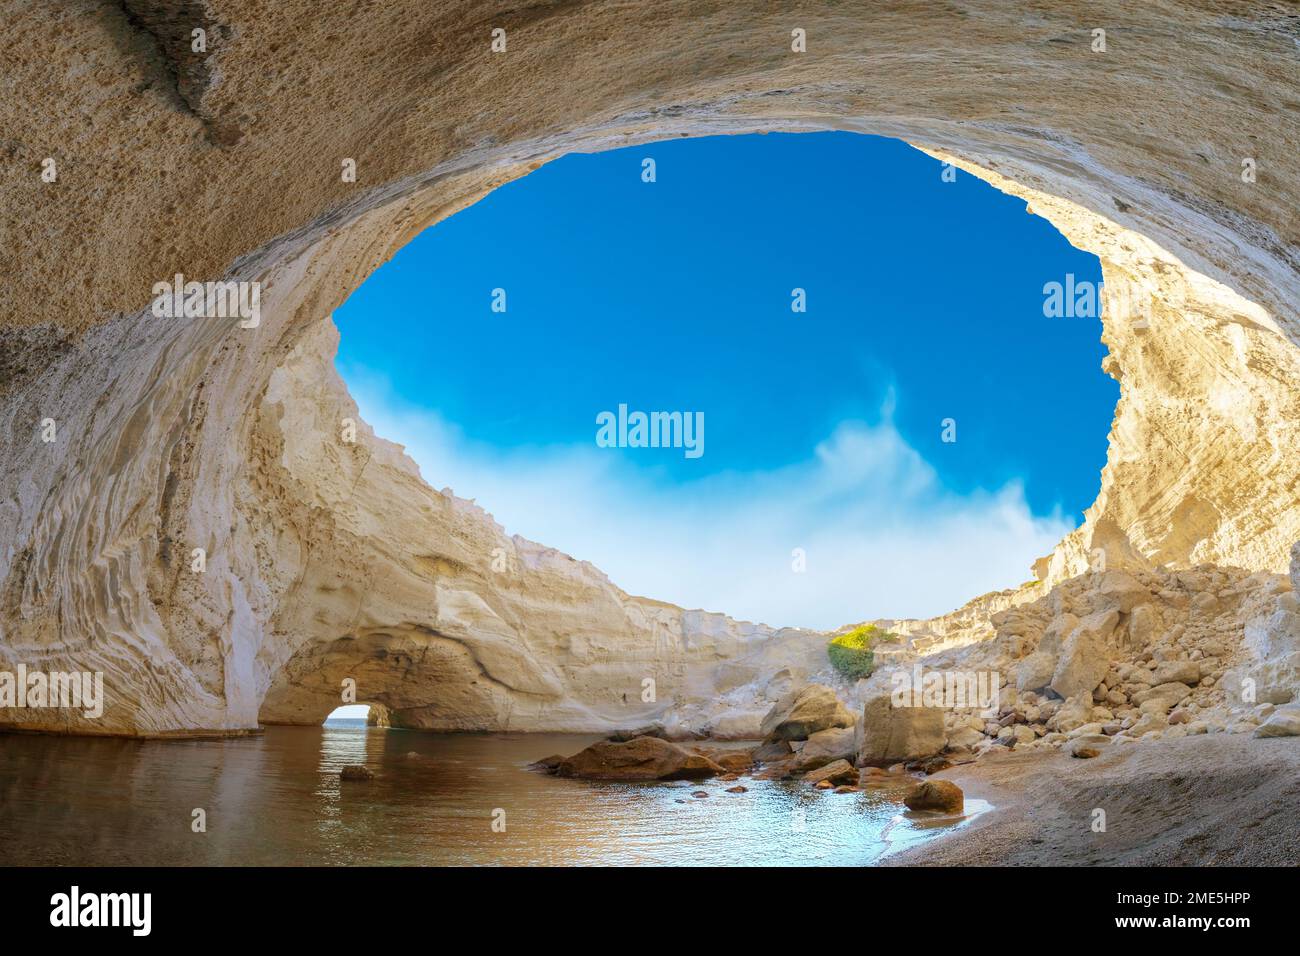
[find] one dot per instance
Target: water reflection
(278, 799)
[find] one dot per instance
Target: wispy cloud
(882, 535)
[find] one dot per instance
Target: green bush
(851, 654)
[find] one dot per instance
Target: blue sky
(822, 428)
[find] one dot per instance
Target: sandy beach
(1222, 799)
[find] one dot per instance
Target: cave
(325, 556)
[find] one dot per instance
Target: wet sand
(1224, 799)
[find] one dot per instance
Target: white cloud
(883, 537)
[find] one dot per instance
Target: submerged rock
(547, 764)
(643, 758)
(941, 795)
(356, 772)
(841, 771)
(733, 761)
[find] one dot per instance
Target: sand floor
(1224, 799)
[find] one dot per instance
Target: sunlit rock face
(328, 559)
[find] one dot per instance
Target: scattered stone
(738, 788)
(1148, 724)
(779, 770)
(965, 739)
(1074, 713)
(1161, 698)
(928, 765)
(700, 794)
(941, 795)
(1284, 723)
(1022, 734)
(1177, 672)
(841, 771)
(1087, 730)
(1087, 747)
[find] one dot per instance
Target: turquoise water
(276, 799)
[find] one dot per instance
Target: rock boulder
(887, 734)
(803, 712)
(941, 795)
(1085, 656)
(644, 758)
(826, 746)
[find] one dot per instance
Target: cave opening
(348, 716)
(900, 415)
